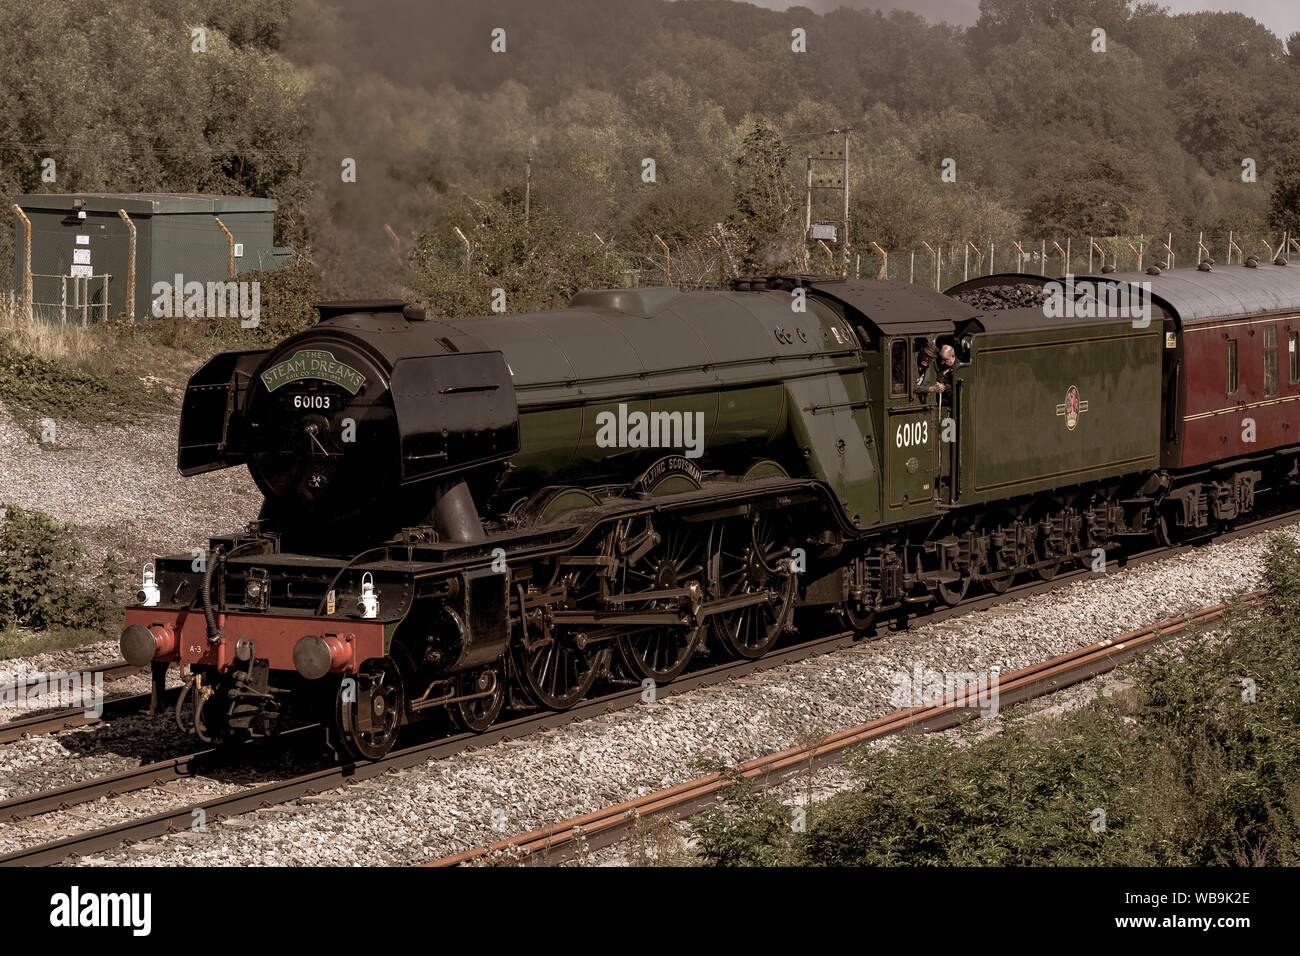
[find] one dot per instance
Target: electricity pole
(829, 181)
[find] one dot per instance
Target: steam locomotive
(464, 514)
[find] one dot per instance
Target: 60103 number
(912, 433)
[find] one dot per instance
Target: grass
(25, 643)
(68, 372)
(125, 371)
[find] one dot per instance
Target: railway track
(557, 843)
(68, 718)
(76, 717)
(176, 820)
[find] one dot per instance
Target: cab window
(1232, 366)
(898, 378)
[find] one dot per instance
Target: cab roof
(895, 308)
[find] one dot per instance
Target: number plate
(313, 402)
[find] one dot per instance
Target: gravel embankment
(120, 486)
(455, 804)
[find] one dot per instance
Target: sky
(1280, 16)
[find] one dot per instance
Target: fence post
(668, 260)
(130, 270)
(460, 235)
(230, 243)
(1137, 252)
(1065, 258)
(27, 260)
(884, 260)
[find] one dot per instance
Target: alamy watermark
(208, 300)
(639, 429)
(979, 689)
(62, 689)
(1098, 300)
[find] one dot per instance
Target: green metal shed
(79, 246)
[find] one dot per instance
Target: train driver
(924, 361)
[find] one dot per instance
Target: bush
(748, 829)
(41, 574)
(538, 265)
(1197, 765)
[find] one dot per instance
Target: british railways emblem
(1072, 407)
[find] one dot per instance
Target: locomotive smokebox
(342, 422)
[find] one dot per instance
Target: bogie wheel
(859, 618)
(998, 571)
(485, 688)
(749, 558)
(661, 653)
(953, 593)
(1046, 565)
(368, 710)
(555, 664)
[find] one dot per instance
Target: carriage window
(1270, 360)
(1232, 366)
(1293, 350)
(898, 366)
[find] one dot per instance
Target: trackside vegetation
(1196, 763)
(49, 598)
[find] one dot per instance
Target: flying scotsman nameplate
(313, 363)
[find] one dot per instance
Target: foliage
(1146, 137)
(1199, 764)
(538, 264)
(748, 829)
(764, 203)
(36, 387)
(41, 576)
(1284, 208)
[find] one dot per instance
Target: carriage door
(910, 435)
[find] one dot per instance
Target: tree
(537, 265)
(763, 198)
(1284, 207)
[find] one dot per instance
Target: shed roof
(146, 204)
